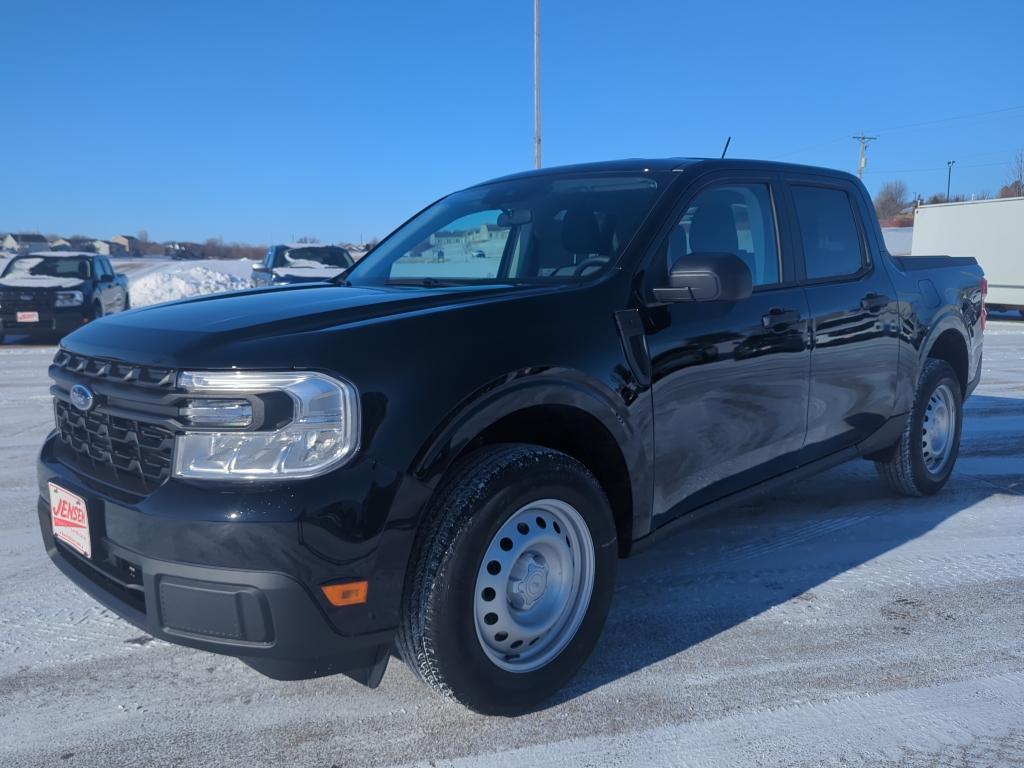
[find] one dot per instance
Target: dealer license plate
(27, 317)
(70, 519)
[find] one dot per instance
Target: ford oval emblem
(82, 397)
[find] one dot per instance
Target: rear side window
(828, 230)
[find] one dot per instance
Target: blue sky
(266, 121)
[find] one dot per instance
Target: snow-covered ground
(828, 624)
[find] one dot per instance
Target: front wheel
(511, 579)
(922, 461)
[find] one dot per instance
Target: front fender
(624, 414)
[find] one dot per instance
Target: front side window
(729, 218)
(831, 242)
(538, 228)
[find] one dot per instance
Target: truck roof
(673, 164)
(61, 254)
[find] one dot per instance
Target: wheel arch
(949, 343)
(564, 412)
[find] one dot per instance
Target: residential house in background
(128, 243)
(24, 243)
(82, 244)
(108, 248)
(60, 244)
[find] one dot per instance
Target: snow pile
(180, 282)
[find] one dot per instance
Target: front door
(729, 379)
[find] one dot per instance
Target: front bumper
(52, 322)
(237, 572)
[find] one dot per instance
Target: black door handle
(779, 320)
(874, 302)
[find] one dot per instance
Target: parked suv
(284, 264)
(425, 457)
(51, 293)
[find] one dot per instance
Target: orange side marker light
(349, 593)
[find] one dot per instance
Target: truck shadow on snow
(723, 570)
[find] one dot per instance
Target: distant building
(24, 243)
(60, 244)
(128, 243)
(84, 244)
(108, 248)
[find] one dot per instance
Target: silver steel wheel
(938, 429)
(533, 586)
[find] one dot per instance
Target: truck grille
(127, 438)
(132, 454)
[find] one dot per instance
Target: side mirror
(258, 266)
(105, 278)
(707, 277)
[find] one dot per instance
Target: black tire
(97, 310)
(127, 302)
(907, 469)
(438, 634)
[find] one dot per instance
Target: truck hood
(40, 281)
(167, 334)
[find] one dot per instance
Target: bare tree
(306, 239)
(1014, 177)
(891, 199)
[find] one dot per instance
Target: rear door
(854, 314)
(729, 379)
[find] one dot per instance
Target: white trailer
(990, 230)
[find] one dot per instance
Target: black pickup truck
(445, 459)
(52, 293)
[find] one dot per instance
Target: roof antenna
(726, 147)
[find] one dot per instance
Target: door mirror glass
(707, 277)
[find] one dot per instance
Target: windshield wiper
(424, 282)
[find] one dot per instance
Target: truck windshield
(315, 257)
(48, 266)
(539, 228)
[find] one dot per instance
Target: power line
(950, 119)
(932, 168)
(909, 126)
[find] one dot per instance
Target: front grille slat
(128, 453)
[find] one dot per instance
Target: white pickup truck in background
(990, 230)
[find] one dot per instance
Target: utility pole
(863, 161)
(536, 83)
(949, 176)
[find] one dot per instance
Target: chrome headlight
(68, 299)
(321, 432)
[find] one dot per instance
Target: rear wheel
(511, 579)
(923, 458)
(97, 310)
